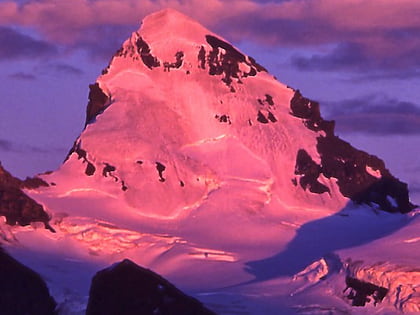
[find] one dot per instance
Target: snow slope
(195, 162)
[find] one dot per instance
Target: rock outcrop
(15, 205)
(127, 288)
(22, 291)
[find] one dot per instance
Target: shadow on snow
(352, 226)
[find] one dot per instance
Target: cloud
(358, 57)
(375, 114)
(22, 76)
(66, 20)
(379, 74)
(343, 57)
(102, 41)
(15, 45)
(64, 68)
(6, 145)
(372, 33)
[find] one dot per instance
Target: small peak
(167, 15)
(170, 22)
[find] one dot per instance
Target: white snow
(374, 172)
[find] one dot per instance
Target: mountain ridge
(146, 58)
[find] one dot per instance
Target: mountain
(196, 163)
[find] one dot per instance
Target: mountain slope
(181, 113)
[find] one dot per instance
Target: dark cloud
(345, 56)
(358, 57)
(101, 42)
(15, 45)
(22, 76)
(6, 145)
(277, 31)
(384, 75)
(374, 114)
(65, 69)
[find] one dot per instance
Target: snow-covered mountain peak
(182, 113)
(170, 40)
(169, 23)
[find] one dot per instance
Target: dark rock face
(349, 165)
(82, 154)
(148, 59)
(309, 172)
(360, 292)
(98, 102)
(309, 111)
(353, 169)
(160, 168)
(107, 170)
(22, 291)
(269, 99)
(261, 118)
(223, 119)
(33, 182)
(16, 206)
(271, 117)
(127, 288)
(226, 63)
(179, 59)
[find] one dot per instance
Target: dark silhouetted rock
(271, 117)
(160, 168)
(179, 59)
(22, 291)
(261, 118)
(107, 170)
(223, 119)
(224, 59)
(361, 291)
(309, 172)
(127, 288)
(16, 206)
(148, 59)
(309, 111)
(82, 154)
(98, 101)
(269, 99)
(360, 176)
(33, 182)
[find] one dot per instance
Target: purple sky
(359, 58)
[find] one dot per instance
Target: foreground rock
(22, 291)
(127, 288)
(15, 205)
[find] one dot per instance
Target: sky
(359, 58)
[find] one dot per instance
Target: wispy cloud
(15, 45)
(375, 114)
(358, 57)
(6, 145)
(64, 68)
(13, 147)
(22, 76)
